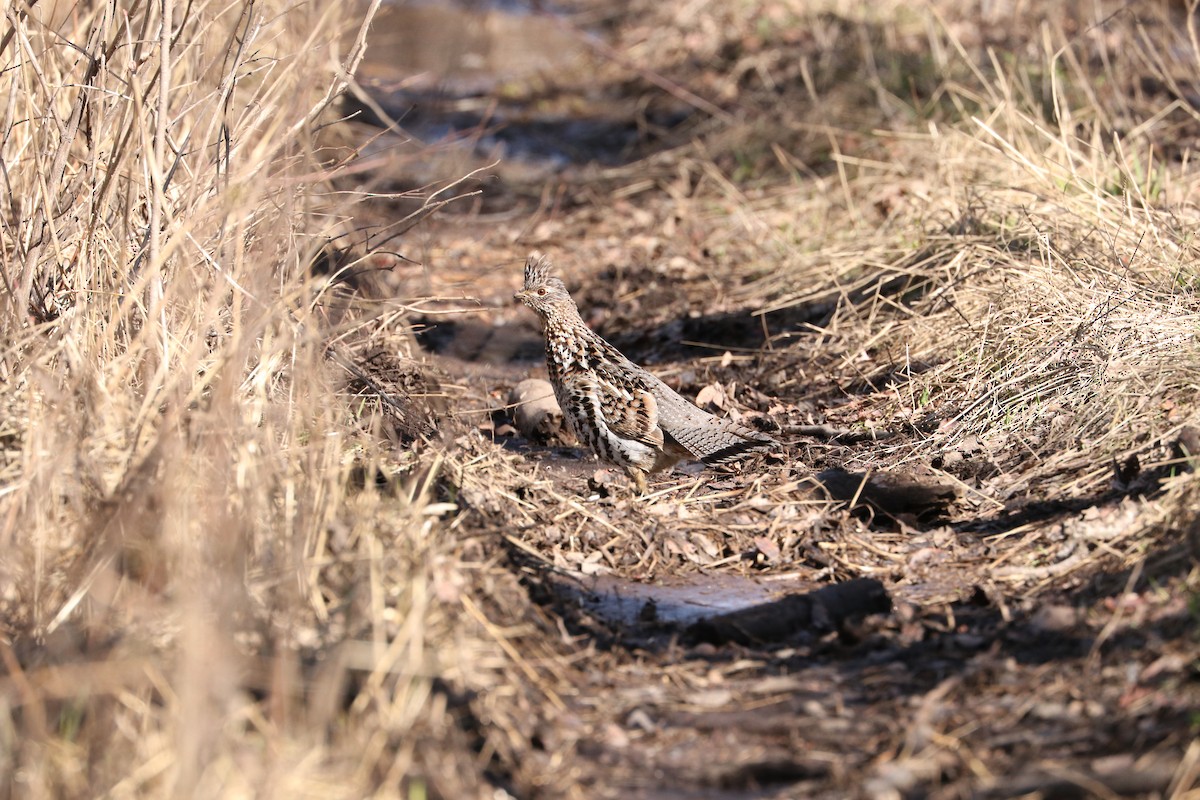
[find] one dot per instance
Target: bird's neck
(565, 320)
(570, 341)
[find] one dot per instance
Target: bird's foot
(639, 480)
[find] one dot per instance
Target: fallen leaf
(767, 548)
(713, 395)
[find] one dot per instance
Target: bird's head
(543, 292)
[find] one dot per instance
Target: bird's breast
(561, 353)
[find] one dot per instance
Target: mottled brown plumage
(622, 412)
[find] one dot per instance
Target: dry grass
(1038, 281)
(192, 588)
(249, 550)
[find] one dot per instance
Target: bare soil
(977, 676)
(905, 601)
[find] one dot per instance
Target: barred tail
(717, 443)
(708, 438)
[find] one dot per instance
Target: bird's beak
(520, 296)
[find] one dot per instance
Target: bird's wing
(628, 407)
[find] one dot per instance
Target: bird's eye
(542, 292)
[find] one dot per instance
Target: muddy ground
(886, 607)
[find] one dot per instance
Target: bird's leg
(639, 479)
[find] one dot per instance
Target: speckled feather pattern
(623, 413)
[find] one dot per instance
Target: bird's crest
(537, 270)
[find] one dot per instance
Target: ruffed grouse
(624, 414)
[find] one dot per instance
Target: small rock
(1055, 618)
(615, 737)
(536, 412)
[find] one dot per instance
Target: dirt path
(915, 598)
(968, 668)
